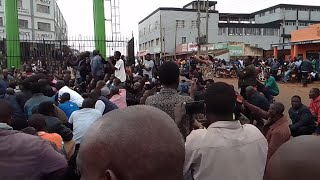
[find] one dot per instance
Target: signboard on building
(235, 50)
(192, 47)
(24, 35)
(44, 36)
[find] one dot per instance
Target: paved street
(286, 91)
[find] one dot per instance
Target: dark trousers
(302, 131)
(304, 78)
(269, 93)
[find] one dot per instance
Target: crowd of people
(107, 119)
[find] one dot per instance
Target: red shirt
(315, 108)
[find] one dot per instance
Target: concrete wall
(145, 35)
(188, 31)
(168, 23)
(255, 41)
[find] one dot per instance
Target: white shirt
(120, 72)
(100, 106)
(82, 120)
(74, 96)
(148, 64)
(226, 151)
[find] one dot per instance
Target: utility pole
(175, 41)
(198, 24)
(207, 26)
(161, 38)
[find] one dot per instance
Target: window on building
(270, 32)
(180, 23)
(290, 24)
(303, 9)
(222, 31)
(183, 40)
(43, 8)
(272, 11)
(23, 23)
(249, 31)
(262, 14)
(157, 25)
(44, 26)
(258, 31)
(0, 2)
(1, 21)
(194, 24)
(144, 31)
(152, 43)
(303, 24)
(157, 41)
(150, 28)
(19, 2)
(140, 46)
(149, 44)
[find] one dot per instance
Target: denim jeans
(287, 75)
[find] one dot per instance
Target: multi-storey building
(259, 29)
(38, 20)
(175, 26)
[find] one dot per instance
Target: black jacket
(260, 101)
(306, 66)
(19, 120)
(247, 77)
(301, 117)
(54, 125)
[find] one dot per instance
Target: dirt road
(286, 91)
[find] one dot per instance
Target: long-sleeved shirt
(301, 117)
(277, 133)
(315, 108)
(97, 68)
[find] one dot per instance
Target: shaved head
(298, 159)
(139, 142)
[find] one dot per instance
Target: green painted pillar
(12, 34)
(99, 26)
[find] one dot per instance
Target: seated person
(302, 120)
(255, 98)
(155, 151)
(66, 105)
(119, 97)
(271, 88)
(38, 122)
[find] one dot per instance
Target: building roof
(174, 9)
(285, 6)
(211, 3)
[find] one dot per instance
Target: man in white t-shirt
(74, 96)
(148, 65)
(82, 119)
(119, 68)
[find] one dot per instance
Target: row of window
(295, 24)
(148, 44)
(249, 31)
(287, 9)
(40, 8)
(179, 24)
(24, 24)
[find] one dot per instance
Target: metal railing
(57, 53)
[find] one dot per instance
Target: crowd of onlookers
(107, 119)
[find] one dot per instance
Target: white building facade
(260, 29)
(38, 20)
(175, 26)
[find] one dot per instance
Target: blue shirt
(68, 108)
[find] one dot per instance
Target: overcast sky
(78, 13)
